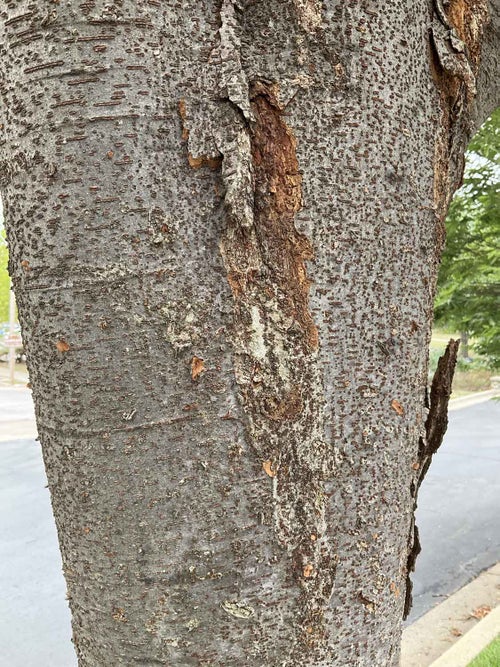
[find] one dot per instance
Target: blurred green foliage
(468, 297)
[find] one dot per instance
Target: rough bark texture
(225, 222)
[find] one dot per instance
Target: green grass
(489, 657)
(469, 378)
(471, 381)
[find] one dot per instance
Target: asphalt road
(35, 628)
(458, 519)
(458, 508)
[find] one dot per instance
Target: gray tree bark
(225, 220)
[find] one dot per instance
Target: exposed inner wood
(275, 360)
(278, 197)
(469, 17)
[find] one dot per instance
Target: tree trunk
(464, 345)
(225, 221)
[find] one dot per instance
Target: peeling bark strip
(414, 550)
(456, 38)
(437, 419)
(435, 428)
(275, 356)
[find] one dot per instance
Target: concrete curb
(433, 635)
(472, 399)
(471, 644)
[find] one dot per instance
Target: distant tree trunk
(464, 344)
(225, 221)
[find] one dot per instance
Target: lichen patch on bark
(308, 13)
